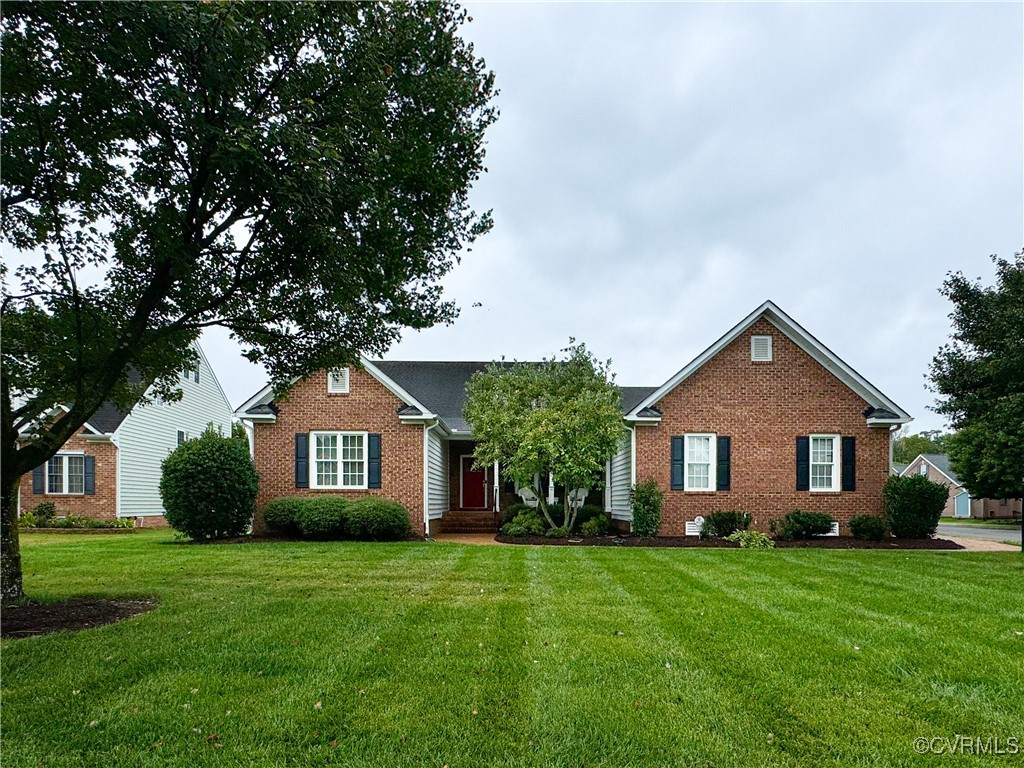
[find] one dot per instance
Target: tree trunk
(538, 491)
(11, 590)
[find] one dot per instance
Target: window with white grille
(761, 349)
(699, 470)
(824, 462)
(337, 381)
(339, 460)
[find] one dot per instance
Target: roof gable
(882, 411)
(938, 461)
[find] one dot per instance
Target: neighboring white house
(112, 467)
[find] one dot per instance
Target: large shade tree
(557, 418)
(297, 173)
(979, 376)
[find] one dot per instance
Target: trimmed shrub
(44, 512)
(751, 539)
(27, 520)
(587, 513)
(913, 506)
(323, 518)
(646, 499)
(209, 487)
(724, 524)
(509, 513)
(867, 528)
(526, 523)
(801, 525)
(596, 526)
(282, 515)
(557, 533)
(375, 519)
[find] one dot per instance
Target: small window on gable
(923, 469)
(182, 437)
(196, 375)
(337, 381)
(761, 349)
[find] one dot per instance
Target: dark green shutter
(849, 464)
(803, 463)
(301, 460)
(723, 472)
(677, 464)
(38, 479)
(89, 480)
(373, 461)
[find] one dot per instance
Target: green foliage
(27, 520)
(724, 524)
(323, 518)
(526, 523)
(557, 533)
(801, 525)
(867, 527)
(913, 506)
(561, 417)
(238, 432)
(44, 512)
(979, 376)
(512, 511)
(646, 499)
(209, 486)
(907, 448)
(375, 519)
(282, 515)
(751, 539)
(598, 525)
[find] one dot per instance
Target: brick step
(469, 521)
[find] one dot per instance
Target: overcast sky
(660, 170)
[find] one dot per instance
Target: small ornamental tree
(209, 487)
(557, 417)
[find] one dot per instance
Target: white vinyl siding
(339, 460)
(437, 475)
(150, 432)
(620, 480)
(824, 462)
(65, 475)
(699, 462)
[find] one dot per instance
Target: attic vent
(337, 381)
(761, 349)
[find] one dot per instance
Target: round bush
(44, 512)
(801, 525)
(209, 487)
(724, 524)
(527, 523)
(867, 528)
(323, 517)
(913, 506)
(596, 526)
(282, 515)
(374, 519)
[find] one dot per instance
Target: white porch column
(497, 486)
(551, 489)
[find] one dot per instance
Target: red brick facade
(102, 504)
(368, 406)
(763, 407)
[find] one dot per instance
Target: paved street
(979, 532)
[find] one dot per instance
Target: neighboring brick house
(935, 466)
(111, 468)
(765, 421)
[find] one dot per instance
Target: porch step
(469, 521)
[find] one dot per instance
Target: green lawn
(441, 654)
(992, 523)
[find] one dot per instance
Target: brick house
(935, 466)
(766, 420)
(111, 468)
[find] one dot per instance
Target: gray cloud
(660, 170)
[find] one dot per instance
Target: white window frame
(836, 466)
(338, 389)
(712, 463)
(923, 468)
(63, 455)
(340, 473)
(753, 345)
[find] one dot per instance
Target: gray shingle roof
(941, 462)
(107, 418)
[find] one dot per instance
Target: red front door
(474, 485)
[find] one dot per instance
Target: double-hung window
(339, 460)
(699, 469)
(65, 474)
(824, 462)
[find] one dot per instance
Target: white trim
(754, 339)
(608, 486)
(340, 461)
(426, 471)
(497, 488)
(712, 439)
(922, 458)
(779, 319)
(836, 464)
(341, 388)
(65, 475)
(117, 477)
(632, 457)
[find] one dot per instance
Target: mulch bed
(823, 542)
(33, 619)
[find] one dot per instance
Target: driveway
(980, 532)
